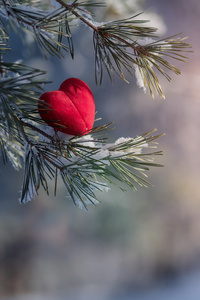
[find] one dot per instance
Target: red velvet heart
(71, 109)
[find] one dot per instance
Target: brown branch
(75, 13)
(99, 30)
(37, 130)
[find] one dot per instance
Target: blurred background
(142, 245)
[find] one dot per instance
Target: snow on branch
(88, 167)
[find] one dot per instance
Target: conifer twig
(122, 43)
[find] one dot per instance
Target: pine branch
(11, 150)
(119, 46)
(152, 57)
(44, 25)
(83, 162)
(20, 90)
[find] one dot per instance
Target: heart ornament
(70, 109)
